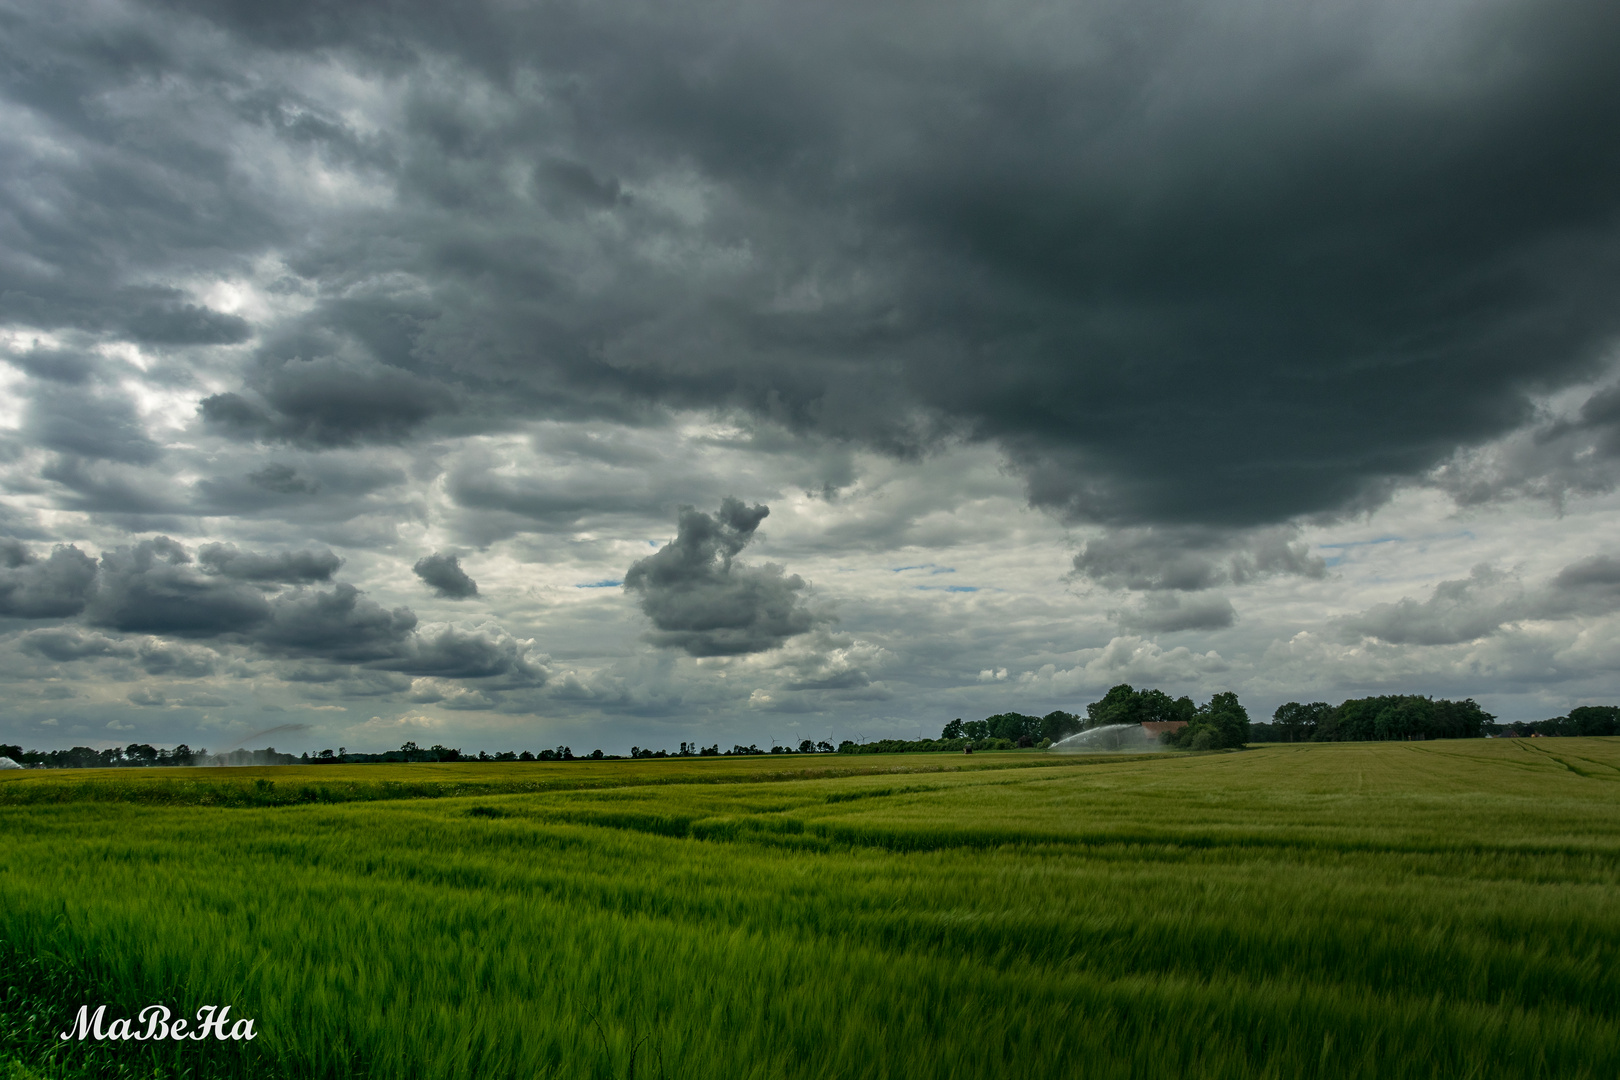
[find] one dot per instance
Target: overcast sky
(614, 373)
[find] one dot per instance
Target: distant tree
(596, 754)
(1592, 720)
(806, 746)
(953, 730)
(1466, 720)
(1158, 707)
(1299, 722)
(525, 756)
(1227, 718)
(1121, 705)
(1058, 724)
(1011, 726)
(1401, 716)
(825, 747)
(1220, 723)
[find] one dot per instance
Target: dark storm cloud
(281, 479)
(552, 502)
(1196, 272)
(67, 644)
(457, 654)
(1188, 559)
(329, 402)
(153, 588)
(1558, 457)
(185, 661)
(1185, 266)
(340, 624)
(327, 487)
(69, 366)
(1596, 577)
(138, 499)
(701, 601)
(1169, 612)
(186, 324)
(97, 425)
(287, 567)
(53, 587)
(445, 575)
(343, 626)
(70, 644)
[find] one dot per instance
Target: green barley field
(1439, 909)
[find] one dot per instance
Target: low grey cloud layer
(1131, 320)
(1467, 609)
(1189, 559)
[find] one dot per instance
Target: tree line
(139, 755)
(1391, 716)
(1219, 723)
(1584, 720)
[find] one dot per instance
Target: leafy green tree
(1227, 717)
(1012, 726)
(1401, 716)
(1592, 719)
(1219, 724)
(1121, 705)
(953, 730)
(1299, 722)
(1058, 724)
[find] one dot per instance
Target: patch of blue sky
(932, 568)
(1364, 543)
(603, 584)
(1344, 548)
(947, 588)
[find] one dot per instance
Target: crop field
(1438, 909)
